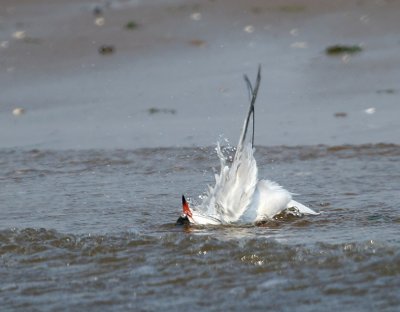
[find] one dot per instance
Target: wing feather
(234, 187)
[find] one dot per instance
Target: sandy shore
(171, 72)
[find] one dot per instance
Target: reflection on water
(95, 229)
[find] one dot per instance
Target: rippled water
(90, 230)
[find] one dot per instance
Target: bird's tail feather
(253, 96)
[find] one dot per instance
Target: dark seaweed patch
(198, 43)
(292, 8)
(154, 110)
(131, 25)
(386, 91)
(340, 114)
(106, 49)
(339, 49)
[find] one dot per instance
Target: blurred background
(129, 74)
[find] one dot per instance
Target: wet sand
(174, 78)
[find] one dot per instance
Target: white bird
(238, 196)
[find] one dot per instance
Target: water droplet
(249, 29)
(100, 21)
(195, 16)
(294, 32)
(299, 45)
(18, 111)
(370, 110)
(20, 34)
(4, 44)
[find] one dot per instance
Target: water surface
(94, 229)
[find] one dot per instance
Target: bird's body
(238, 196)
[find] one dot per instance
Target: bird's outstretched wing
(235, 185)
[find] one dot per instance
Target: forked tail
(253, 96)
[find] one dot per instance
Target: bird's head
(184, 218)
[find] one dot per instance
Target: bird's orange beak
(185, 207)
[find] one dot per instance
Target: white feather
(234, 187)
(237, 195)
(301, 208)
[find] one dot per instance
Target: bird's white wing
(269, 199)
(302, 209)
(202, 219)
(234, 186)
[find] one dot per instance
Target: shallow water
(94, 229)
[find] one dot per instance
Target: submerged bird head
(187, 213)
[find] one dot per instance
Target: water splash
(234, 186)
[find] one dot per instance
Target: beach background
(172, 73)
